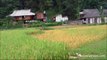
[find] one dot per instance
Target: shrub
(53, 24)
(5, 23)
(43, 24)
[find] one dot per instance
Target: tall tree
(22, 4)
(70, 8)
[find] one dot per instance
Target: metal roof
(22, 13)
(93, 13)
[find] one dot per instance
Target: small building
(60, 18)
(22, 15)
(92, 16)
(41, 16)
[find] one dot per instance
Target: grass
(74, 37)
(95, 48)
(31, 43)
(18, 44)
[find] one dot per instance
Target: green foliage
(7, 6)
(39, 24)
(53, 24)
(6, 23)
(70, 8)
(92, 48)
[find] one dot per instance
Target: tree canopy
(70, 8)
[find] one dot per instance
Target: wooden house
(22, 15)
(92, 16)
(41, 16)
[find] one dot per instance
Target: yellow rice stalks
(80, 35)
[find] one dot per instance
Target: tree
(101, 6)
(70, 8)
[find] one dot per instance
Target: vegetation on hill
(66, 7)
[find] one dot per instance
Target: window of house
(84, 19)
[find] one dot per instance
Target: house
(41, 16)
(22, 15)
(60, 18)
(92, 16)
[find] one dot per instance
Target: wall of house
(40, 16)
(18, 18)
(105, 19)
(23, 18)
(65, 18)
(28, 17)
(85, 20)
(60, 18)
(98, 20)
(92, 20)
(89, 20)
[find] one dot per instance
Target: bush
(39, 24)
(49, 21)
(7, 23)
(18, 24)
(53, 24)
(36, 24)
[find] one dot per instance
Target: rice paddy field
(32, 43)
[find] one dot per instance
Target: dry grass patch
(74, 36)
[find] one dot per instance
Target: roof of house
(93, 13)
(22, 13)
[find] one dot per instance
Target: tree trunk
(101, 10)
